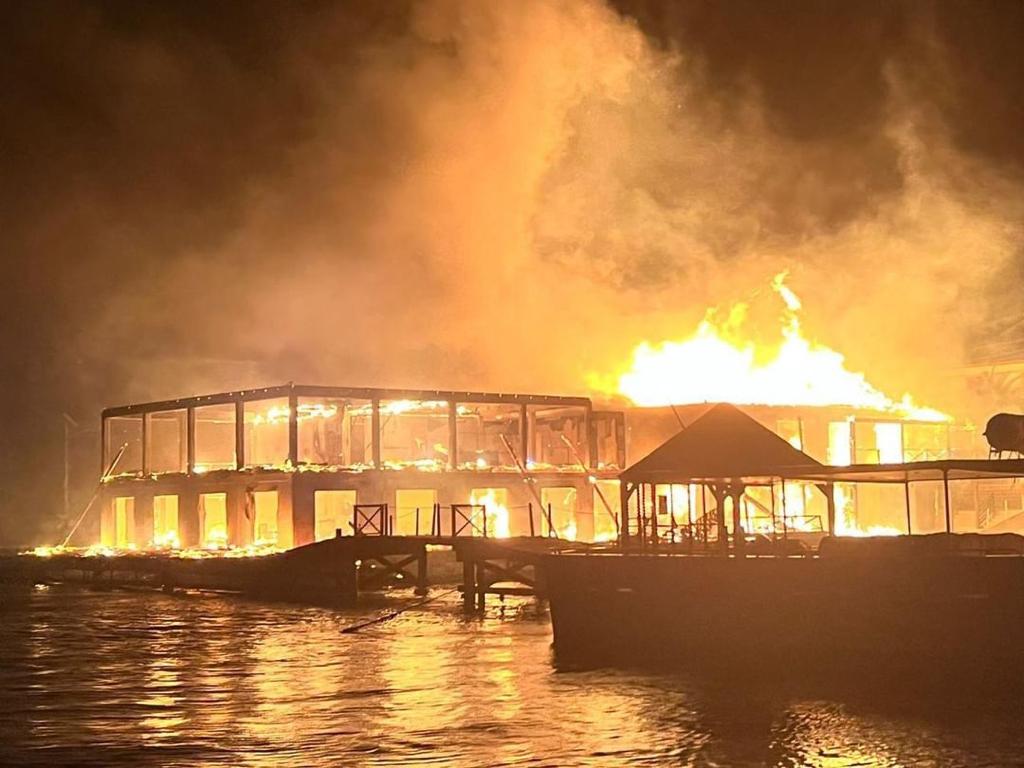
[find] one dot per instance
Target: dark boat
(713, 591)
(910, 600)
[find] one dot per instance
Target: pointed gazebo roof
(722, 444)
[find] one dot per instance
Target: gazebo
(725, 451)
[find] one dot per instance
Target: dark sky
(175, 174)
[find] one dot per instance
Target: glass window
(414, 433)
(167, 437)
(488, 436)
(413, 511)
(215, 437)
(213, 519)
(124, 521)
(557, 437)
(840, 452)
(607, 509)
(495, 508)
(560, 504)
(609, 435)
(264, 518)
(335, 432)
(165, 522)
(266, 433)
(332, 511)
(126, 432)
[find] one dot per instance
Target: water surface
(125, 678)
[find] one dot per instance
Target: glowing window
(333, 511)
(560, 504)
(413, 511)
(264, 518)
(213, 519)
(215, 437)
(495, 504)
(124, 521)
(607, 509)
(165, 522)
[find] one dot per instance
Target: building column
(188, 518)
(738, 540)
(723, 537)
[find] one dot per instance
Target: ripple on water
(150, 679)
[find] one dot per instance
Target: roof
(917, 471)
(366, 393)
(722, 444)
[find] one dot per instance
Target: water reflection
(117, 678)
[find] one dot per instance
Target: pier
(335, 571)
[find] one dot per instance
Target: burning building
(289, 465)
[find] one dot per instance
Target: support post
(830, 502)
(190, 431)
(723, 538)
(468, 583)
(421, 571)
(625, 491)
(481, 587)
(293, 428)
(375, 432)
(737, 520)
(524, 436)
(945, 492)
(145, 442)
(240, 434)
(453, 434)
(906, 500)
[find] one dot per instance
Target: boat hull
(830, 612)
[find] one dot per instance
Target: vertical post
(417, 521)
(591, 439)
(737, 521)
(723, 538)
(468, 582)
(68, 421)
(145, 443)
(785, 522)
(375, 430)
(524, 436)
(240, 457)
(105, 457)
(906, 501)
(830, 501)
(190, 439)
(625, 491)
(771, 490)
(588, 439)
(421, 571)
(529, 507)
(293, 428)
(945, 491)
(453, 434)
(481, 587)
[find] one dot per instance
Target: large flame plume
(722, 362)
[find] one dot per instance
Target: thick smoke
(477, 195)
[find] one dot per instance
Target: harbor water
(142, 678)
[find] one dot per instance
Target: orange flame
(719, 363)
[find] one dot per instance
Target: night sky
(206, 196)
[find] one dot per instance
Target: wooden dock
(331, 572)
